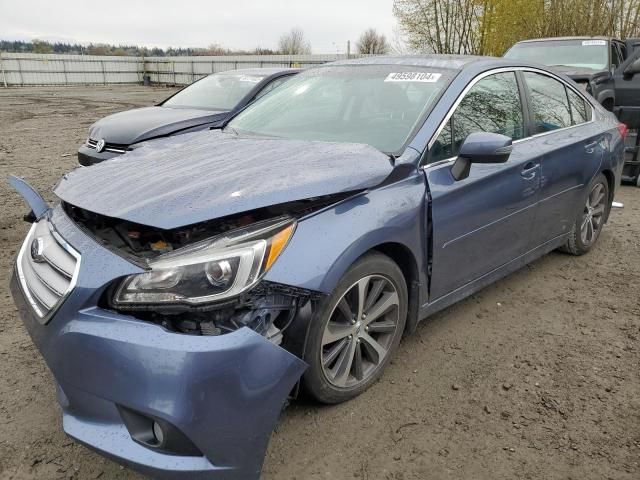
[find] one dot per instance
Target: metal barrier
(22, 69)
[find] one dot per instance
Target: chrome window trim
(482, 75)
(44, 318)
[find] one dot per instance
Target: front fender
(328, 242)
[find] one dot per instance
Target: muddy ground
(535, 377)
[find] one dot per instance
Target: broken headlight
(208, 271)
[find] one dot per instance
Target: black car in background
(206, 103)
(589, 61)
(606, 68)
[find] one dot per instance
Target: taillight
(622, 128)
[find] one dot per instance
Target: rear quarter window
(579, 108)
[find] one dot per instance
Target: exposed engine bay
(140, 242)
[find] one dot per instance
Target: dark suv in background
(606, 68)
(206, 103)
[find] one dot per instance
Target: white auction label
(413, 77)
(591, 43)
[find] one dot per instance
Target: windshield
(378, 105)
(592, 54)
(220, 91)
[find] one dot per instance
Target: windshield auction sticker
(413, 77)
(591, 43)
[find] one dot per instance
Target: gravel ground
(536, 376)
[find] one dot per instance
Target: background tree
(505, 22)
(372, 42)
(490, 27)
(440, 26)
(294, 43)
(42, 47)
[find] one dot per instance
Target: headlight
(211, 270)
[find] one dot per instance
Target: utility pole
(348, 49)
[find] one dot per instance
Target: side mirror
(633, 68)
(481, 147)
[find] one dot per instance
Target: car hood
(133, 126)
(578, 73)
(201, 176)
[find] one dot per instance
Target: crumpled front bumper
(224, 393)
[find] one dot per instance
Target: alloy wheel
(593, 215)
(360, 331)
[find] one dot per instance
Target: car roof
(454, 62)
(596, 37)
(266, 71)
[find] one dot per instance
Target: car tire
(592, 215)
(347, 351)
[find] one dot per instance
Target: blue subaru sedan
(182, 292)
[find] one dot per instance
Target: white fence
(21, 69)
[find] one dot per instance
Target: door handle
(529, 170)
(590, 147)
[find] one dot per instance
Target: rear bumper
(223, 395)
(88, 156)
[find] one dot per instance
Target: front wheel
(357, 329)
(590, 220)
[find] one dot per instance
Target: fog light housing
(158, 433)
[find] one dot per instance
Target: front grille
(47, 268)
(108, 147)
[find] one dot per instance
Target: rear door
(484, 221)
(570, 146)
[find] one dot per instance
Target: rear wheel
(357, 330)
(590, 220)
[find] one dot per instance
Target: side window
(492, 105)
(616, 58)
(443, 146)
(578, 108)
(271, 86)
(550, 106)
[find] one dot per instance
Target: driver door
(484, 221)
(627, 87)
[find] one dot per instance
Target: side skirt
(491, 277)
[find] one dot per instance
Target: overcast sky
(237, 24)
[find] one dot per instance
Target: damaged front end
(206, 279)
(171, 353)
